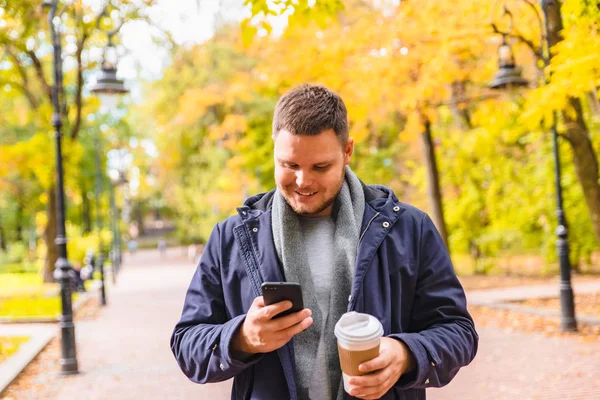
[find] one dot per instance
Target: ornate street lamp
(108, 88)
(509, 75)
(63, 272)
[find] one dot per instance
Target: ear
(348, 151)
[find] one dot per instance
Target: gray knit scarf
(318, 342)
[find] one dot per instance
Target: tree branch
(78, 92)
(167, 35)
(40, 73)
(24, 86)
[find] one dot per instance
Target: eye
(321, 167)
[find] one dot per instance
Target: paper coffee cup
(358, 337)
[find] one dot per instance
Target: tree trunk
(586, 163)
(20, 207)
(578, 135)
(594, 103)
(2, 238)
(458, 105)
(50, 236)
(433, 187)
(139, 218)
(86, 216)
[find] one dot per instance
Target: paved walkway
(124, 353)
(515, 365)
(490, 296)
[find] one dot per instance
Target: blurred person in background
(162, 247)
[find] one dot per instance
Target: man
(352, 247)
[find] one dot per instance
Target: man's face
(309, 170)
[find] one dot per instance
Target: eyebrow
(293, 163)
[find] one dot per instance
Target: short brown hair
(310, 110)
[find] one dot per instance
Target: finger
(288, 333)
(259, 302)
(291, 320)
(268, 312)
(369, 380)
(379, 362)
(371, 392)
(369, 395)
(374, 388)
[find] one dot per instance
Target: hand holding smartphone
(265, 330)
(275, 292)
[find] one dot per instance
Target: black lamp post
(108, 88)
(117, 179)
(63, 272)
(100, 259)
(507, 76)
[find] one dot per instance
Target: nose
(303, 180)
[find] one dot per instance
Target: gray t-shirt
(318, 233)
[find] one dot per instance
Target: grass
(21, 267)
(10, 344)
(26, 284)
(25, 296)
(26, 307)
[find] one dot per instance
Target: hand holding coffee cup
(369, 374)
(358, 337)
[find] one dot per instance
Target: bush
(3, 258)
(16, 259)
(17, 252)
(77, 248)
(78, 245)
(18, 268)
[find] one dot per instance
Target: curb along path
(39, 336)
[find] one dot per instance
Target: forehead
(303, 148)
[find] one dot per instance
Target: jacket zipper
(367, 228)
(359, 241)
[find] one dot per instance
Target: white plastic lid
(358, 328)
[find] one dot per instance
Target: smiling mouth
(307, 194)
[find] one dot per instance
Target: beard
(327, 202)
(320, 209)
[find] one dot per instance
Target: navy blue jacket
(403, 276)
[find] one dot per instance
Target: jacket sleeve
(442, 335)
(201, 341)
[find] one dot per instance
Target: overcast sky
(188, 21)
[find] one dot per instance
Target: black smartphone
(274, 292)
